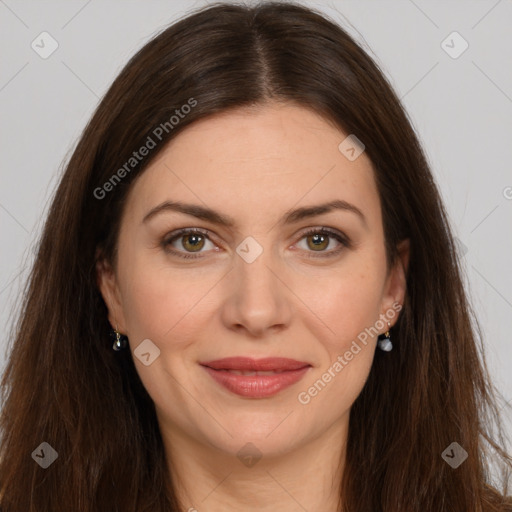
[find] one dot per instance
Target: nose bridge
(258, 299)
(256, 282)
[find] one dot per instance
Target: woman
(250, 212)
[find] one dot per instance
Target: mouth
(256, 378)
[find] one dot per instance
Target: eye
(319, 239)
(189, 240)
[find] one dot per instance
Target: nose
(257, 299)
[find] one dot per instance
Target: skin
(253, 165)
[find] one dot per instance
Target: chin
(271, 433)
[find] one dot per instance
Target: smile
(256, 378)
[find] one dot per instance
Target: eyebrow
(290, 217)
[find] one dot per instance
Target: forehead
(257, 160)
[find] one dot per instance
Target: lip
(286, 372)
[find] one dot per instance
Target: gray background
(461, 108)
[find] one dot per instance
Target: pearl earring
(385, 343)
(120, 342)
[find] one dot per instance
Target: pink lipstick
(256, 378)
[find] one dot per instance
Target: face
(254, 280)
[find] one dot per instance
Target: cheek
(160, 302)
(347, 302)
(332, 392)
(349, 307)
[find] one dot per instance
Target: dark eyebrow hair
(290, 217)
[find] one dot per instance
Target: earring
(120, 342)
(385, 343)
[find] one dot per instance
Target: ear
(107, 284)
(396, 282)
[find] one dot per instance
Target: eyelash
(342, 239)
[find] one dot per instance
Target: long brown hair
(63, 383)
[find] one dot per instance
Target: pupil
(318, 240)
(193, 241)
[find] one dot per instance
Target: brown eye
(185, 242)
(193, 242)
(318, 241)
